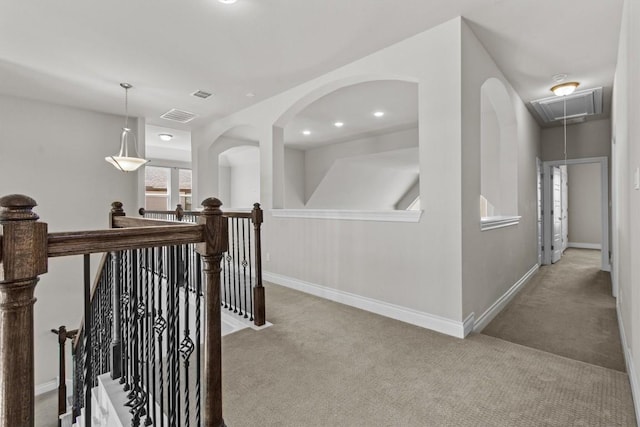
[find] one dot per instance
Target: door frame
(604, 203)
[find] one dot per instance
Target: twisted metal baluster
(126, 299)
(235, 252)
(244, 266)
(160, 325)
(176, 311)
(250, 274)
(199, 296)
(186, 346)
(152, 350)
(87, 340)
(171, 380)
(147, 326)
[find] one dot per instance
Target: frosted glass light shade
(126, 164)
(565, 89)
(122, 161)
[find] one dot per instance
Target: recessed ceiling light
(250, 95)
(379, 113)
(338, 124)
(306, 132)
(227, 1)
(165, 136)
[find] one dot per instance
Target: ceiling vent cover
(201, 94)
(179, 116)
(579, 104)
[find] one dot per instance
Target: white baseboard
(53, 385)
(501, 302)
(404, 314)
(631, 370)
(579, 245)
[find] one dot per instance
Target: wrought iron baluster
(250, 275)
(199, 296)
(244, 265)
(234, 253)
(160, 325)
(186, 346)
(87, 340)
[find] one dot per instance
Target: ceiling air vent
(201, 94)
(179, 116)
(579, 104)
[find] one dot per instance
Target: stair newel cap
(116, 208)
(211, 206)
(17, 207)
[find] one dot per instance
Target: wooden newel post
(179, 212)
(216, 241)
(116, 339)
(258, 290)
(23, 256)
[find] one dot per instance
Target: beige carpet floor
(566, 309)
(324, 363)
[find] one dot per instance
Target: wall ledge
(351, 215)
(493, 222)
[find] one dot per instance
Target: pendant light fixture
(123, 161)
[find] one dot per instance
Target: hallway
(566, 309)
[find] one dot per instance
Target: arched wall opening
(352, 148)
(499, 152)
(234, 159)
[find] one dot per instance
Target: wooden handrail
(119, 239)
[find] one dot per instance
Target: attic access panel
(579, 104)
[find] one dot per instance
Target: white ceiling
(354, 106)
(76, 52)
(178, 148)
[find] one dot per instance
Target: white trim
(493, 222)
(502, 302)
(53, 385)
(585, 245)
(404, 314)
(389, 216)
(46, 387)
(631, 370)
(468, 324)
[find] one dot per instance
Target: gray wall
(585, 204)
(626, 202)
(588, 139)
(56, 155)
(493, 260)
(318, 161)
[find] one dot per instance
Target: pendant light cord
(565, 128)
(126, 107)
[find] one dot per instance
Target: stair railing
(242, 290)
(26, 246)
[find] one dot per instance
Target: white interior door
(540, 236)
(556, 215)
(565, 207)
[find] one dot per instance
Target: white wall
(396, 263)
(494, 260)
(56, 155)
(626, 160)
(585, 204)
(294, 168)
